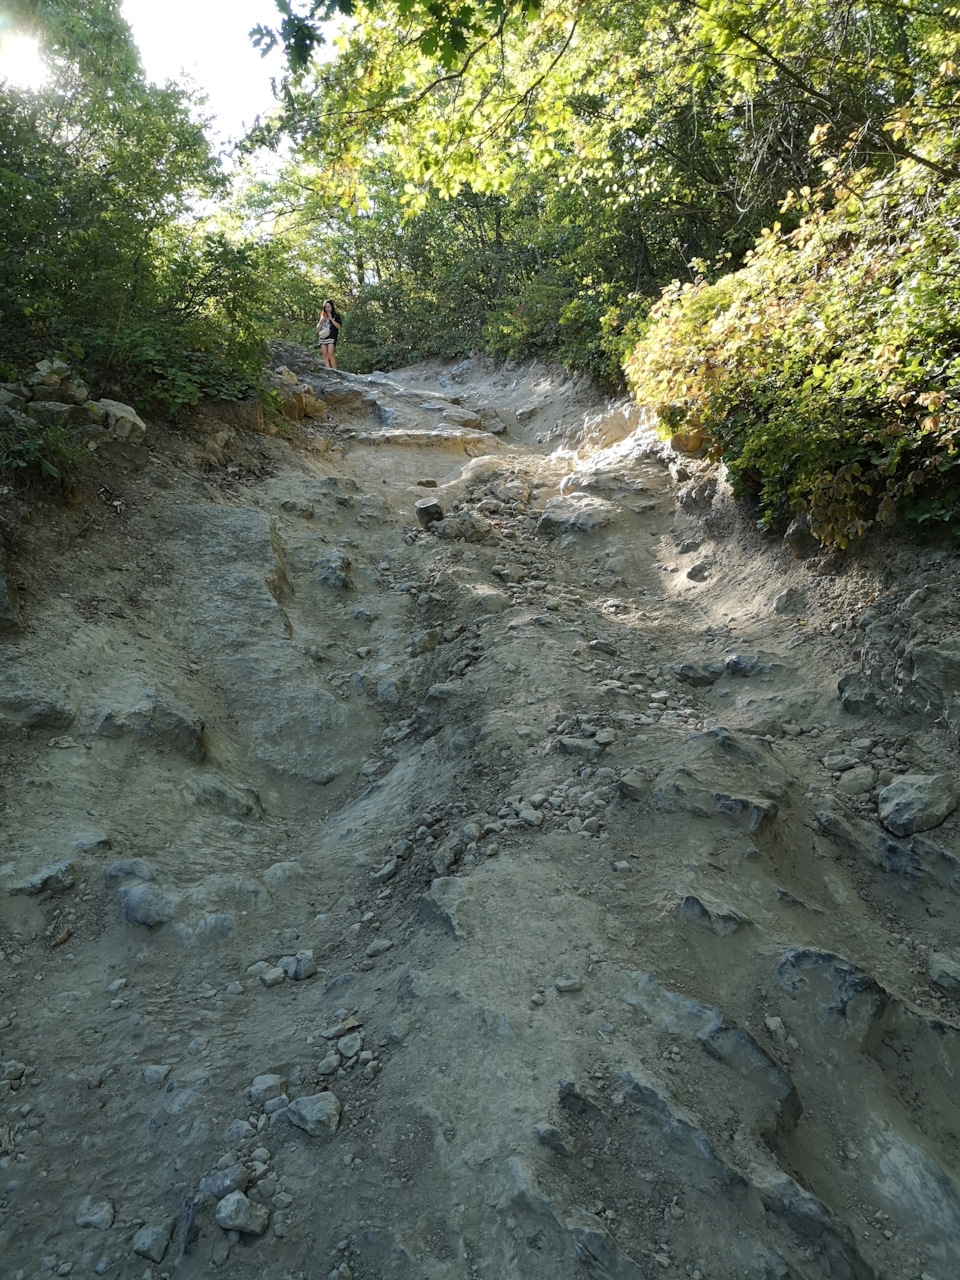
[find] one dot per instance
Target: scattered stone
(266, 1087)
(566, 984)
(858, 781)
(236, 1213)
(151, 1241)
(428, 511)
(633, 786)
(427, 484)
(349, 1046)
(318, 1114)
(239, 1131)
(378, 947)
(298, 967)
(272, 976)
(155, 1074)
(222, 1182)
(841, 761)
(917, 802)
(94, 1213)
(330, 1064)
(386, 872)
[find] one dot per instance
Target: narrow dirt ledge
(568, 888)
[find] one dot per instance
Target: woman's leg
(326, 354)
(333, 355)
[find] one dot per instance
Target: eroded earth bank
(566, 889)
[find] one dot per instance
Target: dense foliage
(101, 257)
(826, 372)
(609, 144)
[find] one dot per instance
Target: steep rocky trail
(568, 888)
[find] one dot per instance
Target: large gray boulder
(576, 513)
(917, 802)
(147, 904)
(123, 422)
(236, 1213)
(318, 1114)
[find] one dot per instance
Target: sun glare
(20, 62)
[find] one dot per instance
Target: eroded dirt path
(540, 840)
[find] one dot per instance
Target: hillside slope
(512, 897)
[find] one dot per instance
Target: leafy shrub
(29, 450)
(826, 371)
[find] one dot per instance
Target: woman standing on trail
(328, 330)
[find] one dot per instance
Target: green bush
(826, 371)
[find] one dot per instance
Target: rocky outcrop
(51, 397)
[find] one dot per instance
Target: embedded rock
(236, 1213)
(22, 706)
(834, 992)
(94, 1213)
(317, 1114)
(441, 904)
(151, 1242)
(147, 904)
(917, 802)
(943, 970)
(576, 513)
(728, 775)
(56, 878)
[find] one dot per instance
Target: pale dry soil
(647, 990)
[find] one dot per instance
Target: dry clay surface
(566, 889)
